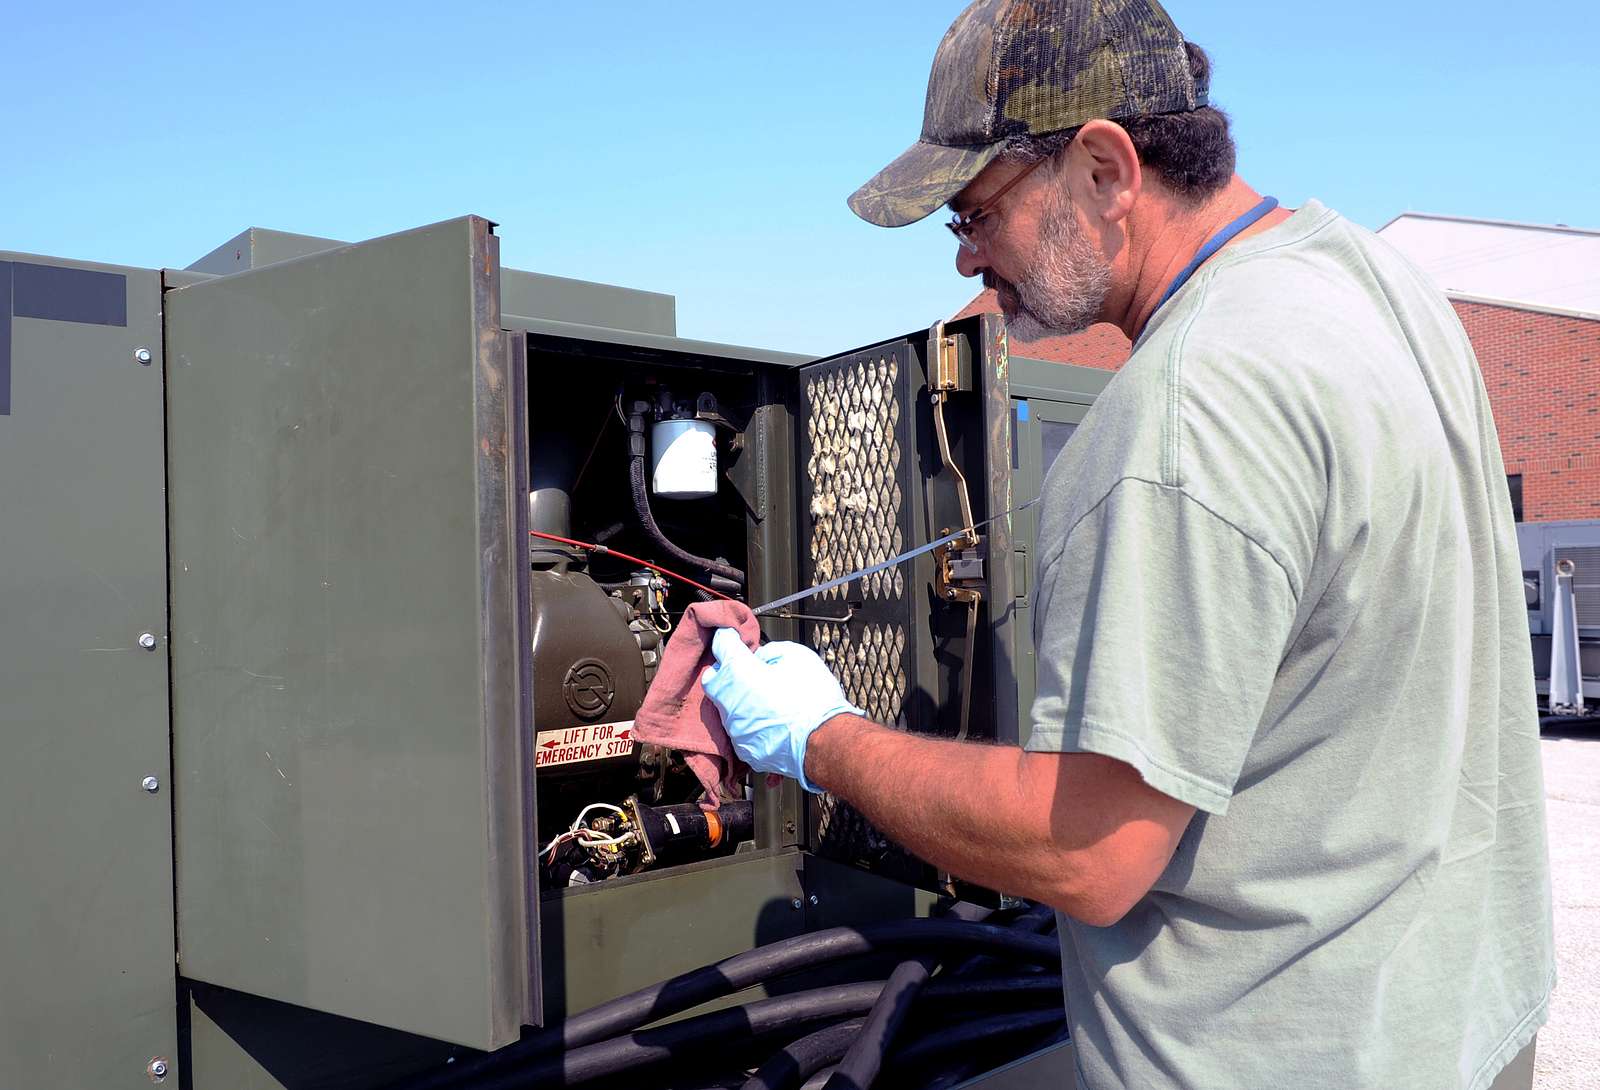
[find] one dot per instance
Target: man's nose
(969, 262)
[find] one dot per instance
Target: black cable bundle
(852, 1025)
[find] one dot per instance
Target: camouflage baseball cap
(1012, 67)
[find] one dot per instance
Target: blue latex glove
(771, 700)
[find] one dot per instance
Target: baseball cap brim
(914, 186)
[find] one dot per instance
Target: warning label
(576, 744)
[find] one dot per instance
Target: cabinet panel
(352, 792)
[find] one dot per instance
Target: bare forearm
(958, 805)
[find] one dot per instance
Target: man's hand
(771, 700)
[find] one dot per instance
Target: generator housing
(305, 678)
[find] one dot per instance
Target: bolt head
(151, 784)
(156, 1069)
(814, 899)
(796, 904)
(143, 355)
(147, 640)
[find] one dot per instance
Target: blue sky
(705, 149)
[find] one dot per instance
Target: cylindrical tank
(683, 462)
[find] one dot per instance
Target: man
(1283, 778)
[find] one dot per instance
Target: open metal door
(901, 443)
(349, 603)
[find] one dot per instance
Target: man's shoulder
(1317, 308)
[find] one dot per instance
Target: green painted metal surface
(352, 796)
(1043, 395)
(605, 306)
(588, 303)
(243, 1042)
(666, 344)
(218, 1062)
(1057, 381)
(256, 246)
(86, 954)
(611, 938)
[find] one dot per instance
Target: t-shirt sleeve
(1159, 630)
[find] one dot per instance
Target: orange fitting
(713, 828)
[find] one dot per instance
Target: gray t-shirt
(1279, 576)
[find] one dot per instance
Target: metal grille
(854, 425)
(871, 667)
(857, 449)
(1585, 581)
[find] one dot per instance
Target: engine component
(588, 676)
(633, 837)
(550, 512)
(731, 577)
(588, 667)
(683, 459)
(671, 834)
(645, 595)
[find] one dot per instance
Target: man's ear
(1103, 172)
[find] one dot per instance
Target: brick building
(1529, 298)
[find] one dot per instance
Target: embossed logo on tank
(589, 689)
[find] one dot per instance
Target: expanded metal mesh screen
(856, 443)
(857, 449)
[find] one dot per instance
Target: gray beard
(1064, 292)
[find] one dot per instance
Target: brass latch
(958, 579)
(946, 361)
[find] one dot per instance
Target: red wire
(601, 550)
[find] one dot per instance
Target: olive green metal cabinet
(349, 703)
(263, 559)
(1048, 402)
(86, 949)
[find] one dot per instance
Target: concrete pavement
(1568, 1057)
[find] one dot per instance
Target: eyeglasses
(963, 226)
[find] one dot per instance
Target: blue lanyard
(1217, 242)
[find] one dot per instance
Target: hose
(780, 958)
(943, 996)
(862, 1063)
(1037, 920)
(689, 990)
(820, 1079)
(646, 1048)
(733, 1026)
(641, 506)
(864, 1060)
(754, 967)
(799, 1060)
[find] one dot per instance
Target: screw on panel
(796, 904)
(147, 640)
(151, 784)
(156, 1069)
(143, 356)
(814, 900)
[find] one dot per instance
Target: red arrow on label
(551, 744)
(624, 735)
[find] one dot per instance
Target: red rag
(676, 713)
